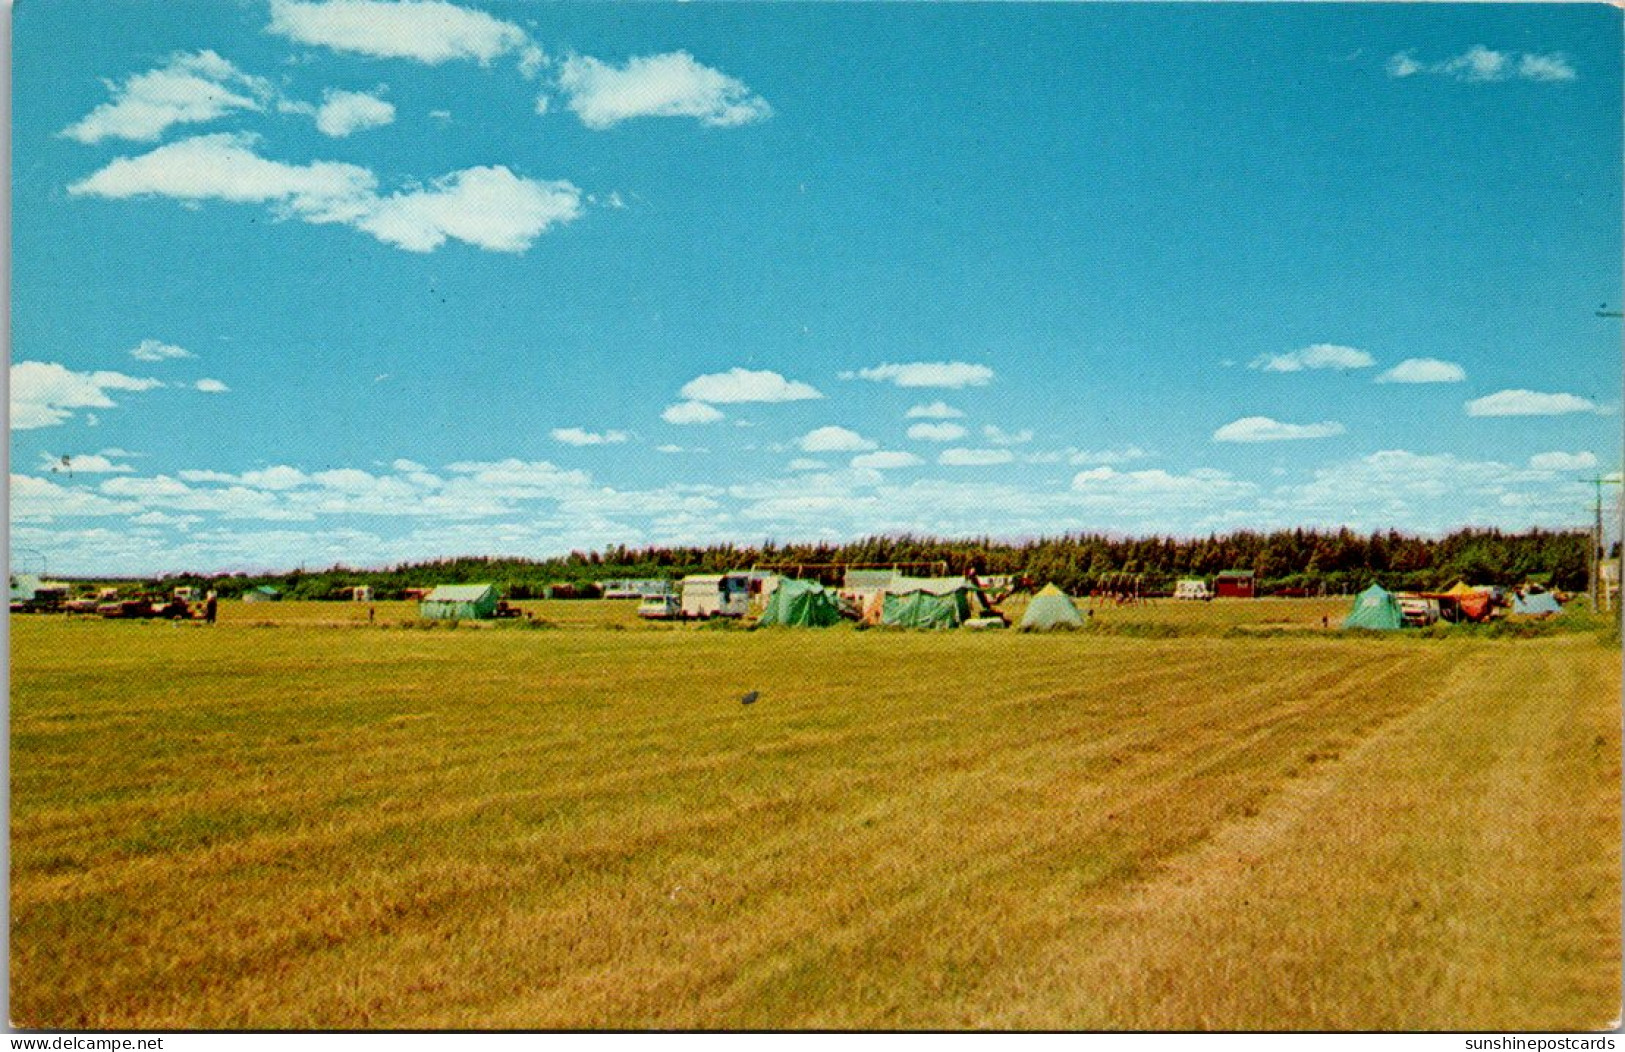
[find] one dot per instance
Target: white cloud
(671, 85)
(974, 458)
(1477, 63)
(1115, 455)
(884, 460)
(1000, 437)
(745, 385)
(1552, 67)
(933, 411)
(1558, 461)
(427, 31)
(807, 464)
(490, 208)
(224, 167)
(575, 436)
(82, 464)
(189, 89)
(1201, 485)
(1519, 402)
(926, 374)
(1480, 64)
(1263, 429)
(1316, 356)
(936, 432)
(345, 112)
(1403, 65)
(209, 386)
(36, 499)
(44, 394)
(279, 477)
(833, 440)
(156, 351)
(1423, 371)
(691, 413)
(403, 464)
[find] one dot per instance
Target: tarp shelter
(457, 602)
(263, 594)
(1537, 603)
(926, 602)
(1376, 608)
(1475, 603)
(1051, 608)
(801, 604)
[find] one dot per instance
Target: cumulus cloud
(1423, 371)
(933, 411)
(1200, 484)
(1480, 64)
(1264, 429)
(1518, 402)
(884, 460)
(208, 386)
(746, 385)
(974, 458)
(487, 207)
(926, 374)
(490, 208)
(189, 89)
(44, 394)
(1114, 455)
(691, 413)
(427, 31)
(936, 432)
(1559, 461)
(807, 464)
(82, 464)
(671, 85)
(1316, 356)
(156, 351)
(343, 113)
(833, 440)
(575, 436)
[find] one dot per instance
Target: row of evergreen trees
(1313, 560)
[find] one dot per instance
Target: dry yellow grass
(302, 826)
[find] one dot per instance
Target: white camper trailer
(716, 595)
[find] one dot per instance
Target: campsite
(1184, 815)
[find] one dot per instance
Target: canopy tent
(1474, 603)
(1050, 608)
(454, 602)
(1536, 603)
(921, 608)
(802, 604)
(1375, 608)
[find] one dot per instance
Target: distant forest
(1312, 561)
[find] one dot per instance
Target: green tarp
(459, 602)
(801, 604)
(1376, 608)
(1051, 608)
(925, 609)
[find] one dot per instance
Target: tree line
(1299, 560)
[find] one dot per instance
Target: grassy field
(292, 819)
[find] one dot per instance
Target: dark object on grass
(748, 698)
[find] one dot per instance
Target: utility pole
(1599, 540)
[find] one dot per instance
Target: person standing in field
(210, 607)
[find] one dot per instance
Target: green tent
(802, 604)
(1536, 604)
(1376, 608)
(1051, 608)
(457, 602)
(926, 609)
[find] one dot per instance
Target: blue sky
(345, 280)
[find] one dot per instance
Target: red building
(1236, 584)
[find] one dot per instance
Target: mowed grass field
(292, 819)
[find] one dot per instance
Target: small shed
(1236, 584)
(459, 602)
(263, 594)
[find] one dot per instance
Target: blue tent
(1536, 603)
